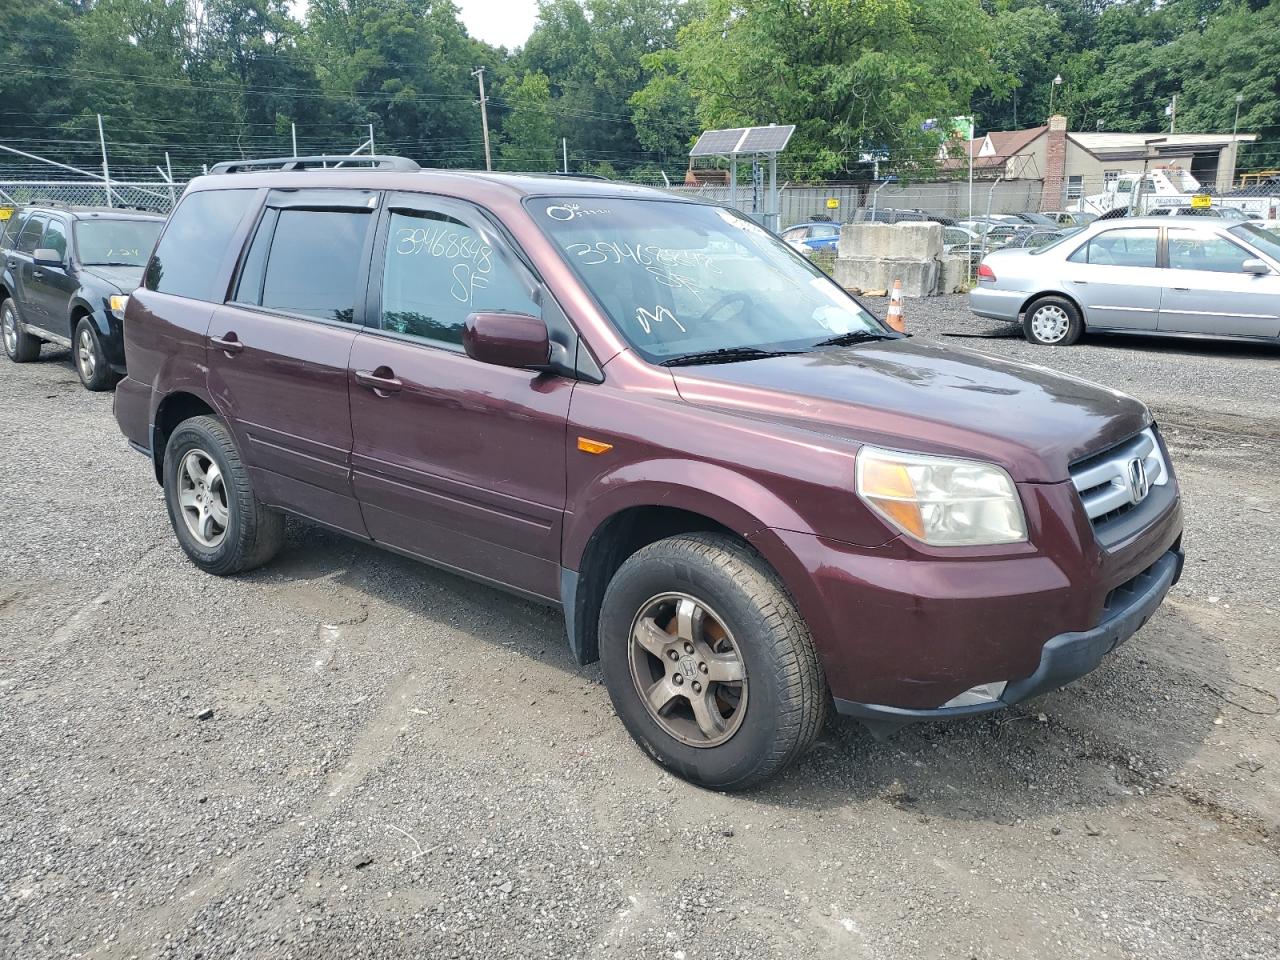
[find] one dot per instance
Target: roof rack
(379, 162)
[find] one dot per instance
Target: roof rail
(578, 176)
(380, 162)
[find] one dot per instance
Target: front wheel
(219, 523)
(91, 362)
(708, 663)
(1053, 322)
(19, 346)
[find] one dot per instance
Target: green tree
(37, 42)
(528, 131)
(854, 77)
(593, 52)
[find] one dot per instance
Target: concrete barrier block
(891, 241)
(953, 276)
(919, 277)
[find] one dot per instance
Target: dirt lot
(350, 755)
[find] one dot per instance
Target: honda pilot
(751, 499)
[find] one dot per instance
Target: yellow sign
(1201, 201)
(6, 213)
(833, 203)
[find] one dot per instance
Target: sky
(503, 23)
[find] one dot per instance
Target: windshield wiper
(855, 336)
(110, 263)
(726, 355)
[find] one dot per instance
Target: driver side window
(442, 264)
(55, 238)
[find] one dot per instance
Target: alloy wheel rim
(688, 670)
(202, 498)
(1050, 324)
(85, 354)
(10, 331)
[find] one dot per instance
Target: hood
(125, 279)
(909, 395)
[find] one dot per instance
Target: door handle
(37, 274)
(381, 381)
(1183, 289)
(230, 344)
(1083, 283)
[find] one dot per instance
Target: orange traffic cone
(895, 318)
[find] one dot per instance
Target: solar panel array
(742, 140)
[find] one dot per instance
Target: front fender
(729, 498)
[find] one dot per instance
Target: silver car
(1147, 275)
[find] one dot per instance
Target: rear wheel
(219, 523)
(19, 346)
(1053, 322)
(708, 663)
(91, 363)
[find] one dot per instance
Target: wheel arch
(172, 411)
(630, 509)
(80, 307)
(1026, 304)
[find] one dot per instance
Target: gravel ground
(347, 754)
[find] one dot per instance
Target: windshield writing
(679, 278)
(123, 242)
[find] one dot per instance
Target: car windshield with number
(118, 243)
(687, 282)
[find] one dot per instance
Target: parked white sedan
(1149, 275)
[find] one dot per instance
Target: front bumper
(1064, 658)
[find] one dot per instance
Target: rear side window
(306, 262)
(29, 238)
(11, 228)
(189, 258)
(1134, 247)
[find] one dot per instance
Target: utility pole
(372, 151)
(484, 117)
(564, 148)
(106, 173)
(1173, 112)
(1235, 145)
(293, 131)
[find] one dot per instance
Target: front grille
(1121, 482)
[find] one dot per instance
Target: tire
(89, 358)
(774, 713)
(241, 533)
(1053, 322)
(19, 346)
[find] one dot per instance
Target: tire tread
(804, 696)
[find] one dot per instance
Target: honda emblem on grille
(1139, 486)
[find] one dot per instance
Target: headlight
(941, 501)
(118, 303)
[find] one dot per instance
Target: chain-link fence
(157, 196)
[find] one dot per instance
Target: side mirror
(507, 340)
(47, 257)
(1255, 266)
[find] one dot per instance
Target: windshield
(1260, 239)
(125, 243)
(681, 278)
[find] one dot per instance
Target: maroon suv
(749, 497)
